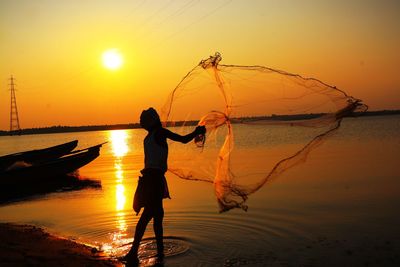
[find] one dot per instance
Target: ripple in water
(173, 246)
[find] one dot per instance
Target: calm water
(347, 192)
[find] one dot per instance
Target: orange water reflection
(119, 143)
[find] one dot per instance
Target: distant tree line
(68, 129)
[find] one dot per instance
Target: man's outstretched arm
(184, 138)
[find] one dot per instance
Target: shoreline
(27, 245)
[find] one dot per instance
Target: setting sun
(112, 59)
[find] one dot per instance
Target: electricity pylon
(14, 120)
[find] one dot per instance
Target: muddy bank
(25, 245)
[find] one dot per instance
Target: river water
(345, 194)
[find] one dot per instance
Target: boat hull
(38, 173)
(38, 155)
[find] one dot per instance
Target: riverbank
(25, 245)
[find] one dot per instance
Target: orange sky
(54, 48)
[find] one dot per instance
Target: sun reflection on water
(120, 197)
(119, 142)
(119, 173)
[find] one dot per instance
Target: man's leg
(139, 232)
(158, 227)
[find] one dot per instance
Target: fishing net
(260, 122)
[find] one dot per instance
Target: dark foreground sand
(25, 245)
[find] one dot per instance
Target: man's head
(149, 119)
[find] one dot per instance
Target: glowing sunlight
(112, 59)
(120, 196)
(119, 143)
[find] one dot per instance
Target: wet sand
(25, 245)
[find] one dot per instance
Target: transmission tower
(14, 120)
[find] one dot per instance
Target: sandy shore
(25, 245)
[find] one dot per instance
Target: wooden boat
(38, 155)
(43, 171)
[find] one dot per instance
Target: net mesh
(260, 122)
